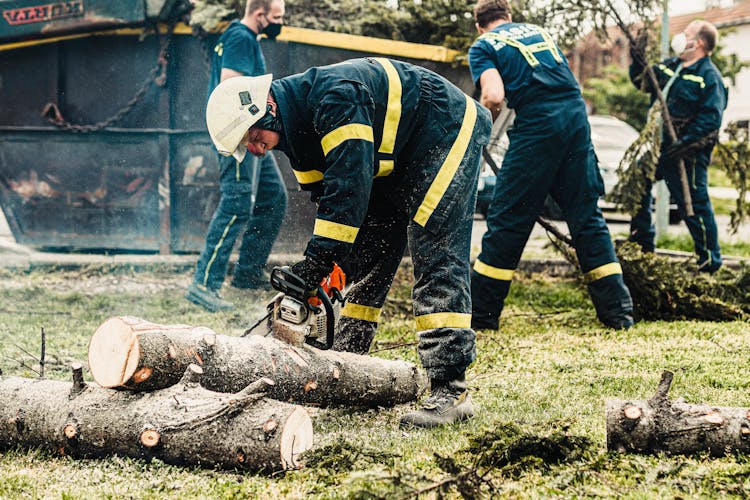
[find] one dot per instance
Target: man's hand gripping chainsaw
(295, 316)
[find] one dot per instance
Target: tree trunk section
(185, 424)
(128, 353)
(659, 425)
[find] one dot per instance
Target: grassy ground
(684, 242)
(549, 370)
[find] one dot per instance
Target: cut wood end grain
(296, 438)
(113, 352)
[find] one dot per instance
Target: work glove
(676, 150)
(311, 273)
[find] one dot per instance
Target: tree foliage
(439, 22)
(613, 94)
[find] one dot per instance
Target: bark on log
(185, 424)
(659, 425)
(127, 352)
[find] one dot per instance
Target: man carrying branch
(696, 98)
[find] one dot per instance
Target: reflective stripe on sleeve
(346, 133)
(443, 320)
(308, 176)
(448, 169)
(358, 311)
(335, 231)
(602, 272)
(493, 272)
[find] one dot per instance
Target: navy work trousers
(253, 197)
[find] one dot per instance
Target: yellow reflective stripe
(393, 110)
(236, 170)
(493, 272)
(696, 79)
(385, 167)
(443, 320)
(551, 45)
(216, 249)
(602, 272)
(335, 231)
(450, 165)
(666, 70)
(308, 176)
(523, 49)
(358, 311)
(345, 133)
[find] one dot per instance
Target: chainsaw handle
(286, 282)
(330, 320)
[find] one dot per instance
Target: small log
(185, 424)
(121, 343)
(659, 425)
(121, 348)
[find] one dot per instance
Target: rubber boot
(207, 298)
(449, 402)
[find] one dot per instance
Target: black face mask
(272, 30)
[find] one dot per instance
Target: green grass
(550, 366)
(684, 243)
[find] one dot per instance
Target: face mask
(272, 30)
(679, 44)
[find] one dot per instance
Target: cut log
(185, 424)
(127, 352)
(659, 425)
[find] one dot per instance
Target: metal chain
(157, 75)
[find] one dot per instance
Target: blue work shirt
(237, 49)
(530, 63)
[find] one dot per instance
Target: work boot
(620, 322)
(251, 280)
(481, 321)
(207, 298)
(449, 402)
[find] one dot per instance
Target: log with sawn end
(661, 425)
(185, 424)
(127, 352)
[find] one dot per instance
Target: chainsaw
(295, 318)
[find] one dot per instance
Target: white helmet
(234, 106)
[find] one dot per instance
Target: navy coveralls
(696, 98)
(391, 152)
(550, 152)
(253, 195)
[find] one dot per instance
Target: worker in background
(696, 98)
(253, 195)
(390, 152)
(550, 152)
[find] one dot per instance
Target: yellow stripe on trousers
(216, 249)
(443, 320)
(358, 311)
(602, 272)
(449, 167)
(496, 273)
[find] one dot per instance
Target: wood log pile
(189, 396)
